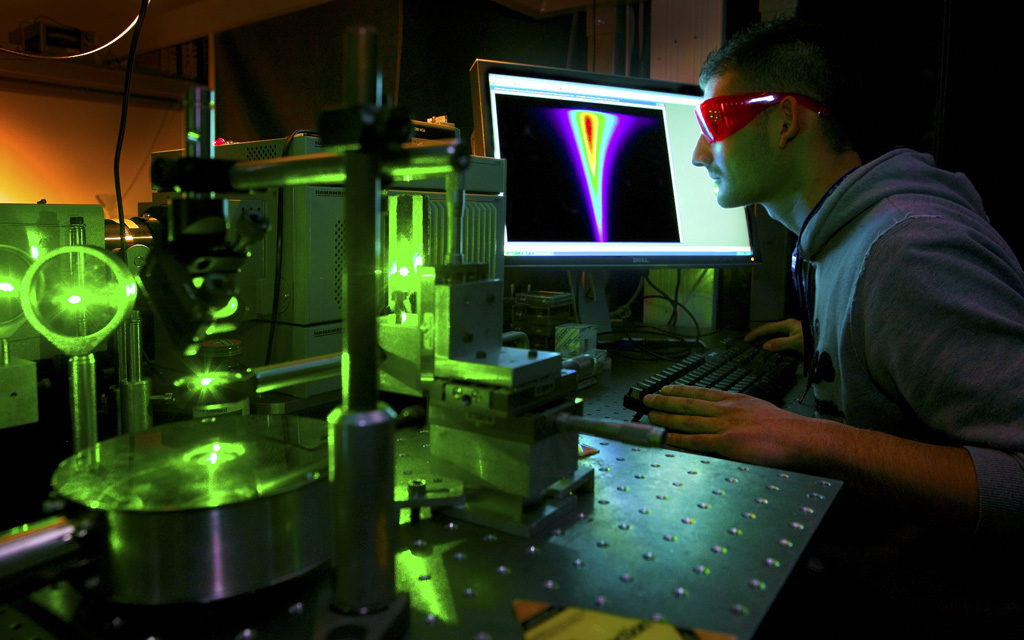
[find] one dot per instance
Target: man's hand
(730, 425)
(935, 484)
(792, 335)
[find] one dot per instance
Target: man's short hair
(794, 56)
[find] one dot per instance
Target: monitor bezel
(482, 143)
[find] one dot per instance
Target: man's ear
(789, 122)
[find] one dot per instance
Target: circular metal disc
(193, 465)
(204, 510)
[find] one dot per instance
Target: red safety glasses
(721, 117)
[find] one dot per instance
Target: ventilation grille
(339, 261)
(263, 151)
(483, 235)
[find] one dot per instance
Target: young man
(914, 332)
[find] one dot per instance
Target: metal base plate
(696, 541)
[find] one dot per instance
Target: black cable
(675, 296)
(275, 301)
(675, 303)
(655, 287)
(640, 328)
(278, 254)
(682, 306)
(165, 382)
(640, 346)
(679, 348)
(623, 311)
(572, 294)
(124, 122)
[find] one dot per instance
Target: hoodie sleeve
(942, 312)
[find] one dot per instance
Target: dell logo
(640, 260)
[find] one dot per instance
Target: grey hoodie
(919, 325)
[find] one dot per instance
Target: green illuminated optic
(408, 260)
(227, 310)
(210, 380)
(215, 328)
(75, 296)
(214, 453)
(211, 386)
(13, 266)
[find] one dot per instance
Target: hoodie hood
(870, 184)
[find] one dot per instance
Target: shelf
(64, 77)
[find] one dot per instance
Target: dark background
(938, 72)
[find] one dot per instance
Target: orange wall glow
(61, 148)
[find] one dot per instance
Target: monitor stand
(591, 302)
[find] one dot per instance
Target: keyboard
(733, 365)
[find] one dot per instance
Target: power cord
(136, 22)
(675, 303)
(278, 255)
(124, 121)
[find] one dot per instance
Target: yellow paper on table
(542, 621)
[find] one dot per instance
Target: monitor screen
(599, 171)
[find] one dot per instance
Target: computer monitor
(599, 171)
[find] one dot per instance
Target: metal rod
(432, 160)
(81, 368)
(35, 544)
(199, 123)
(359, 245)
(121, 338)
(133, 347)
(133, 390)
(362, 496)
(76, 231)
(134, 397)
(76, 237)
(286, 374)
(309, 169)
(629, 432)
(455, 204)
(361, 82)
(84, 427)
(361, 437)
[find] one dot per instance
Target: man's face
(739, 165)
